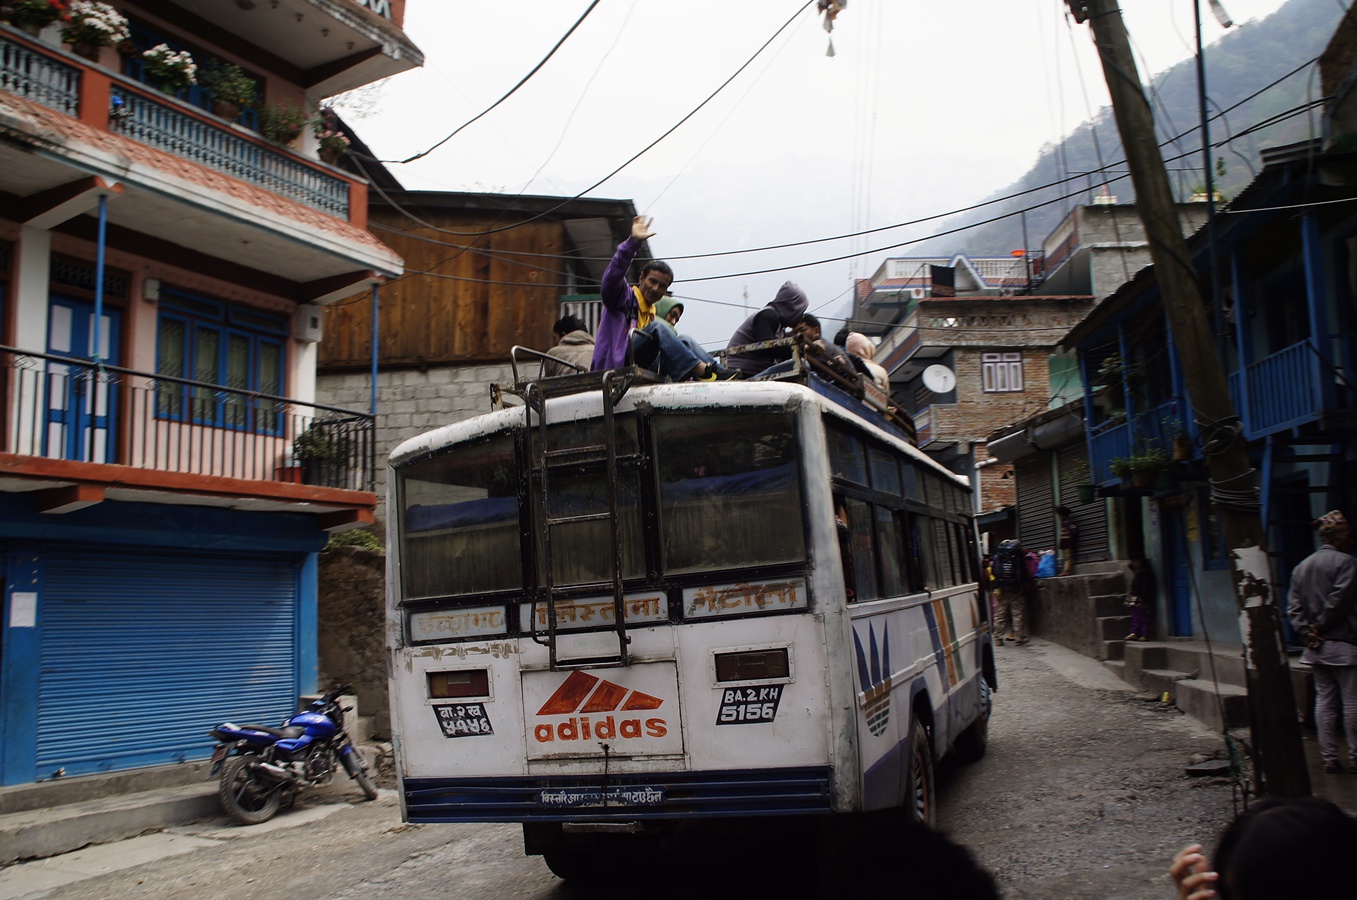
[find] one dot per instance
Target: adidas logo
(583, 697)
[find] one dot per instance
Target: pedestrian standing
(1140, 599)
(1069, 539)
(1011, 580)
(1323, 610)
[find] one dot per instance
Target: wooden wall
(476, 304)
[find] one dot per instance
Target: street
(1082, 794)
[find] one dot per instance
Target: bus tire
(571, 864)
(921, 796)
(972, 743)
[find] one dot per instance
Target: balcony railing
(160, 122)
(1155, 427)
(1281, 389)
(71, 409)
(166, 127)
(39, 78)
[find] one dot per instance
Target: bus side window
(845, 533)
(926, 530)
(864, 549)
(892, 556)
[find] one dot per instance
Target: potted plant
(1146, 464)
(1087, 492)
(232, 90)
(91, 25)
(281, 123)
(32, 16)
(331, 143)
(169, 70)
(324, 452)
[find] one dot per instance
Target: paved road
(1082, 795)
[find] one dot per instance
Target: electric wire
(522, 81)
(632, 159)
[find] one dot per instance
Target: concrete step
(1198, 698)
(1108, 604)
(1161, 681)
(1114, 651)
(1113, 628)
(48, 831)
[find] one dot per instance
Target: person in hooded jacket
(625, 307)
(768, 324)
(574, 344)
(862, 347)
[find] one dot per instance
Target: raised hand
(640, 228)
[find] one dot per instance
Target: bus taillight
(752, 665)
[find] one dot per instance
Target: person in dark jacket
(768, 324)
(1323, 609)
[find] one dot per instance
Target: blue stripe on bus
(687, 795)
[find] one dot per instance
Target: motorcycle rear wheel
(245, 797)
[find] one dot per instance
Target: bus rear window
(730, 495)
(459, 522)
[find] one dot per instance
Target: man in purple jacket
(657, 347)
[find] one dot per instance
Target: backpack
(1009, 567)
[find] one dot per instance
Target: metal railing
(40, 78)
(1155, 427)
(73, 409)
(1281, 389)
(166, 127)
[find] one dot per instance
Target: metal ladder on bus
(535, 396)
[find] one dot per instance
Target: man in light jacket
(1323, 610)
(574, 344)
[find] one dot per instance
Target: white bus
(642, 609)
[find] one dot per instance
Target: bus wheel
(972, 743)
(921, 797)
(572, 864)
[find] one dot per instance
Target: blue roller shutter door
(143, 654)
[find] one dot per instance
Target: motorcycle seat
(284, 733)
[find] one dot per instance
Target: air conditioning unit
(307, 323)
(917, 293)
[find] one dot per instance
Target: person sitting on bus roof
(861, 346)
(772, 322)
(574, 344)
(807, 328)
(625, 307)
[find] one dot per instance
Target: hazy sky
(924, 108)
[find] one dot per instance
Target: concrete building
(168, 475)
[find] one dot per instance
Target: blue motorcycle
(263, 767)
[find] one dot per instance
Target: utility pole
(1279, 757)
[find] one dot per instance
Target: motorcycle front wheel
(364, 782)
(245, 797)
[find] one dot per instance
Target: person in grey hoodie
(574, 344)
(1323, 610)
(768, 324)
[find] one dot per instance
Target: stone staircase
(1205, 682)
(1087, 612)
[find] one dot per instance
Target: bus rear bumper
(631, 797)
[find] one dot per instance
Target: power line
(633, 159)
(522, 81)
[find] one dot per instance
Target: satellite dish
(939, 379)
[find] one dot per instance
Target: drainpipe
(99, 284)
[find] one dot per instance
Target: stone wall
(351, 630)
